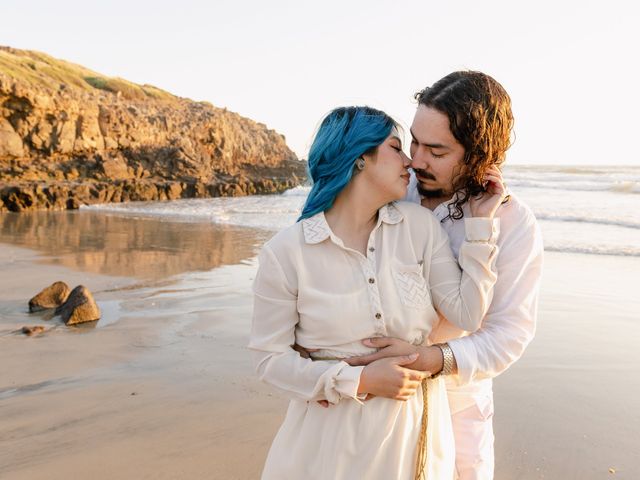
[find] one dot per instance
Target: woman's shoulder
(420, 223)
(416, 213)
(286, 239)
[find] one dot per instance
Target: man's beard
(437, 193)
(428, 193)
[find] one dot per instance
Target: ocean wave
(580, 178)
(626, 186)
(265, 213)
(582, 219)
(575, 170)
(594, 250)
(299, 191)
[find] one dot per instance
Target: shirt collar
(442, 211)
(390, 214)
(316, 229)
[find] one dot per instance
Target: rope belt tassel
(421, 454)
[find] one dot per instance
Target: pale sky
(571, 67)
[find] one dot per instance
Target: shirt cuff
(465, 359)
(481, 229)
(347, 382)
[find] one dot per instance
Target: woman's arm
(275, 317)
(464, 297)
(278, 364)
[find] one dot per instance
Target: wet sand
(162, 387)
(568, 408)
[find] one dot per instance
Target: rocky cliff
(70, 136)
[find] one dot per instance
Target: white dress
(312, 290)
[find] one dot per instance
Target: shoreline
(164, 387)
(94, 401)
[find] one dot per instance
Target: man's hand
(304, 352)
(389, 378)
(429, 361)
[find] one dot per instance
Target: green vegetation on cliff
(41, 69)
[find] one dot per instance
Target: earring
(360, 163)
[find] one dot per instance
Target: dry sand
(162, 387)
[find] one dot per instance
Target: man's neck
(432, 202)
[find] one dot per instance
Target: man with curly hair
(462, 129)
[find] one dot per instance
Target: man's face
(435, 153)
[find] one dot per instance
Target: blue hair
(344, 135)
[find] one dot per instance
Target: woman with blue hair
(358, 264)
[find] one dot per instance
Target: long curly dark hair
(480, 118)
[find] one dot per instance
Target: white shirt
(312, 290)
(510, 323)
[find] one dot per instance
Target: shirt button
(378, 316)
(372, 280)
(371, 249)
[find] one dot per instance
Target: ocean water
(593, 210)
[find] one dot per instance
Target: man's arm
(510, 323)
(507, 328)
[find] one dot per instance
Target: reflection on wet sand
(145, 248)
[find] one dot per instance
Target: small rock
(10, 141)
(115, 168)
(51, 297)
(80, 307)
(612, 470)
(32, 330)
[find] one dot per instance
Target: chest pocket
(411, 285)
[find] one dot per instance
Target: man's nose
(419, 159)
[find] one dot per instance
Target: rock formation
(80, 307)
(51, 297)
(70, 136)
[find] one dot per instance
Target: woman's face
(386, 169)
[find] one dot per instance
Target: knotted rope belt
(421, 453)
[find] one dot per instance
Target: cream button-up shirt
(312, 290)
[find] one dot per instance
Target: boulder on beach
(51, 297)
(32, 330)
(80, 307)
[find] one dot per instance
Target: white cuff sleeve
(481, 229)
(346, 384)
(465, 357)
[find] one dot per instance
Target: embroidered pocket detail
(412, 286)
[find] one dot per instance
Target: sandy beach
(163, 387)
